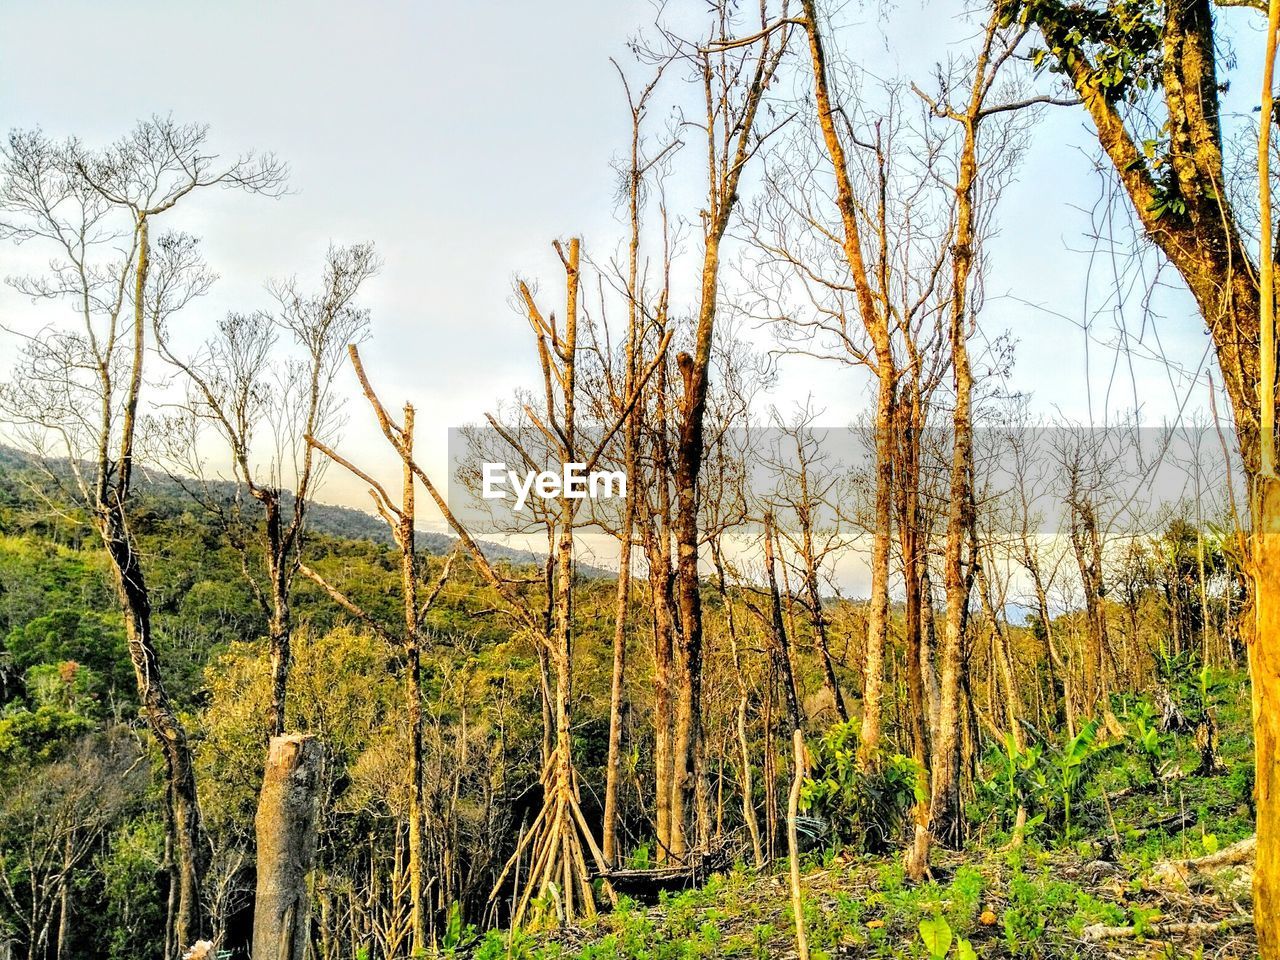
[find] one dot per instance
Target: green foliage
(34, 736)
(1192, 686)
(69, 685)
(936, 935)
(1074, 766)
(1147, 739)
(860, 809)
(1019, 780)
(130, 865)
(1115, 48)
(642, 857)
(457, 936)
(1044, 779)
(86, 637)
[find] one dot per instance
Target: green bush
(858, 809)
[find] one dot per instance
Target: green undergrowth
(1031, 903)
(1142, 802)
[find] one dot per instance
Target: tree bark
(286, 838)
(280, 626)
(413, 669)
(744, 745)
(1208, 249)
(877, 328)
(1264, 668)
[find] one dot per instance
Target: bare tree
(984, 160)
(1169, 88)
(78, 391)
(410, 634)
(734, 76)
(62, 813)
(240, 387)
(809, 488)
(640, 166)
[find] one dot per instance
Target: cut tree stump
(286, 835)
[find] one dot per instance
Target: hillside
(168, 496)
(1115, 885)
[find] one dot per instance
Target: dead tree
(1209, 244)
(242, 386)
(79, 391)
(558, 834)
(808, 487)
(400, 518)
(639, 168)
(876, 324)
(989, 130)
(733, 76)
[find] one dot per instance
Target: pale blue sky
(462, 138)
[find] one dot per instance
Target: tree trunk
(877, 327)
(279, 627)
(946, 811)
(782, 649)
(413, 670)
(188, 830)
(928, 648)
(661, 584)
(1264, 667)
(878, 611)
(744, 745)
(286, 837)
(793, 845)
(907, 495)
(655, 534)
(64, 899)
(609, 839)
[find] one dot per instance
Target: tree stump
(286, 835)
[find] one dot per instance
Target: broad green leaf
(936, 934)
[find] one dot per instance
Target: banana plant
(1075, 765)
(1147, 738)
(1018, 780)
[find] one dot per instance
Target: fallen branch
(1232, 856)
(1098, 931)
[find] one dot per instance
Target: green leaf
(1210, 841)
(965, 951)
(936, 934)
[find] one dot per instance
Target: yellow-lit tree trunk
(877, 328)
(1264, 668)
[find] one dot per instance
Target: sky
(462, 138)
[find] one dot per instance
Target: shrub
(856, 808)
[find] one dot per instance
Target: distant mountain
(166, 494)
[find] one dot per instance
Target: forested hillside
(1165, 773)
(985, 663)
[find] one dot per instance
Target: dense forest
(963, 677)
